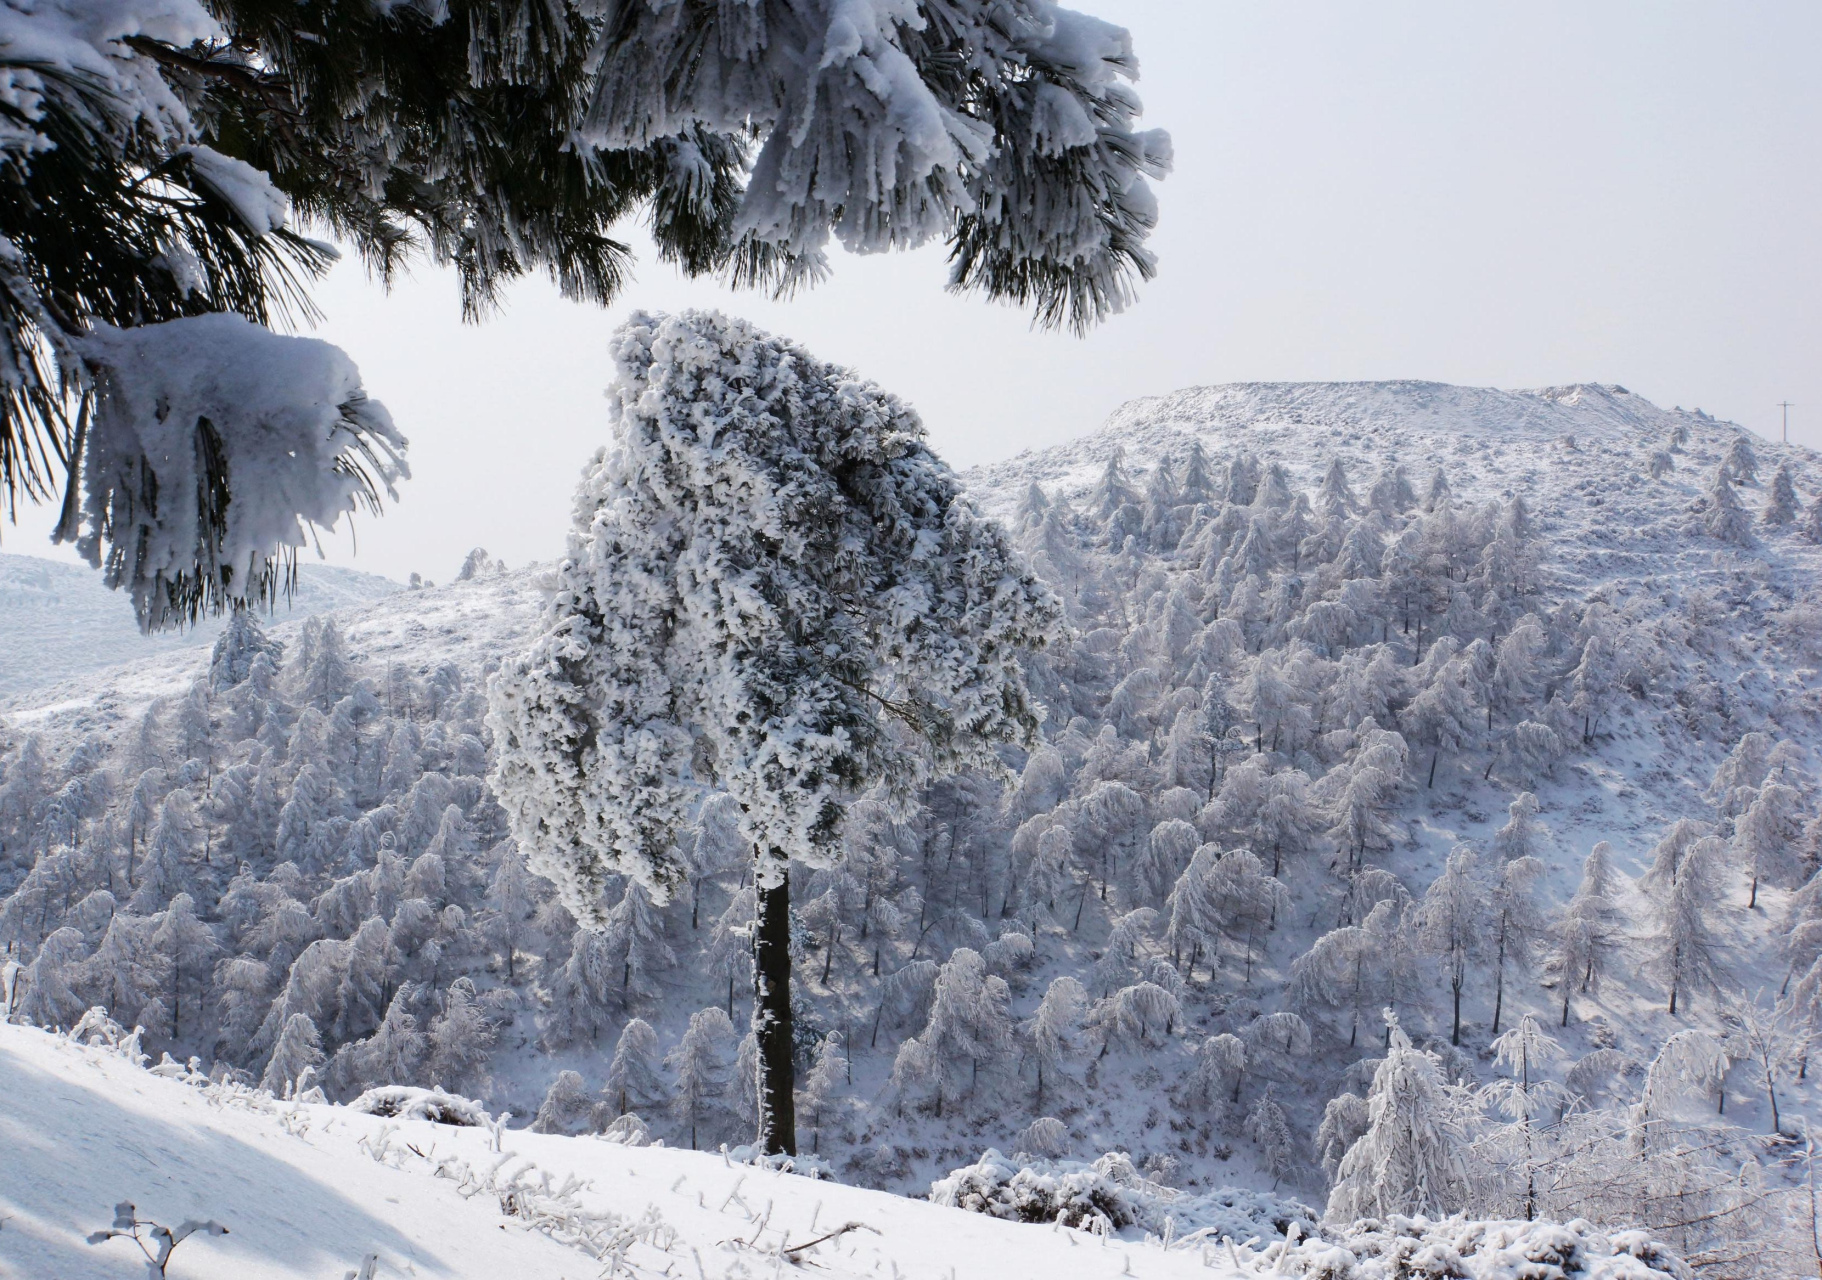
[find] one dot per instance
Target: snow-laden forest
(1414, 749)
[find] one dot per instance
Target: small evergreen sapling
(1781, 503)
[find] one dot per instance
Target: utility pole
(1785, 405)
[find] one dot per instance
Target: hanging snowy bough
(212, 443)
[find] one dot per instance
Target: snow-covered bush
(1111, 1193)
(411, 1103)
(1396, 1247)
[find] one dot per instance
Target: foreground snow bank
(310, 1190)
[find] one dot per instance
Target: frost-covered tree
(633, 1079)
(568, 1107)
(1765, 837)
(1781, 504)
(1412, 1157)
(1740, 463)
(188, 949)
(1583, 936)
(50, 996)
(796, 601)
(824, 1082)
(1725, 519)
(1355, 967)
(1522, 836)
(460, 1040)
(1268, 1130)
(239, 644)
(508, 924)
(1246, 901)
(1452, 921)
(1686, 954)
(703, 1063)
(298, 1049)
(1516, 924)
(970, 1027)
(1053, 1034)
(1523, 1096)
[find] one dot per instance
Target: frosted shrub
(406, 1102)
(1111, 1193)
(1395, 1247)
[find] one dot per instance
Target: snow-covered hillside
(58, 621)
(306, 1190)
(1361, 677)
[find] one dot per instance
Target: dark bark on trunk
(772, 1020)
(1455, 1038)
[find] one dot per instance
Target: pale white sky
(1508, 194)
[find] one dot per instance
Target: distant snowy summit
(1304, 424)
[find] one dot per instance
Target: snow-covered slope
(1246, 616)
(58, 621)
(307, 1191)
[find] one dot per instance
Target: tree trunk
(772, 1019)
(1455, 1038)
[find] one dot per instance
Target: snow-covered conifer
(1268, 1130)
(823, 1082)
(1686, 949)
(188, 949)
(1522, 836)
(1781, 503)
(568, 1107)
(867, 532)
(1274, 1044)
(1740, 464)
(391, 1055)
(1412, 1157)
(1054, 1033)
(1219, 1072)
(1168, 852)
(1142, 1015)
(633, 1080)
(50, 996)
(297, 1049)
(1344, 1122)
(1765, 837)
(1583, 935)
(1522, 1095)
(1516, 924)
(508, 925)
(460, 1040)
(367, 973)
(1246, 901)
(703, 1062)
(1452, 920)
(1725, 519)
(970, 1027)
(171, 849)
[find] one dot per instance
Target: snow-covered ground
(308, 1190)
(57, 621)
